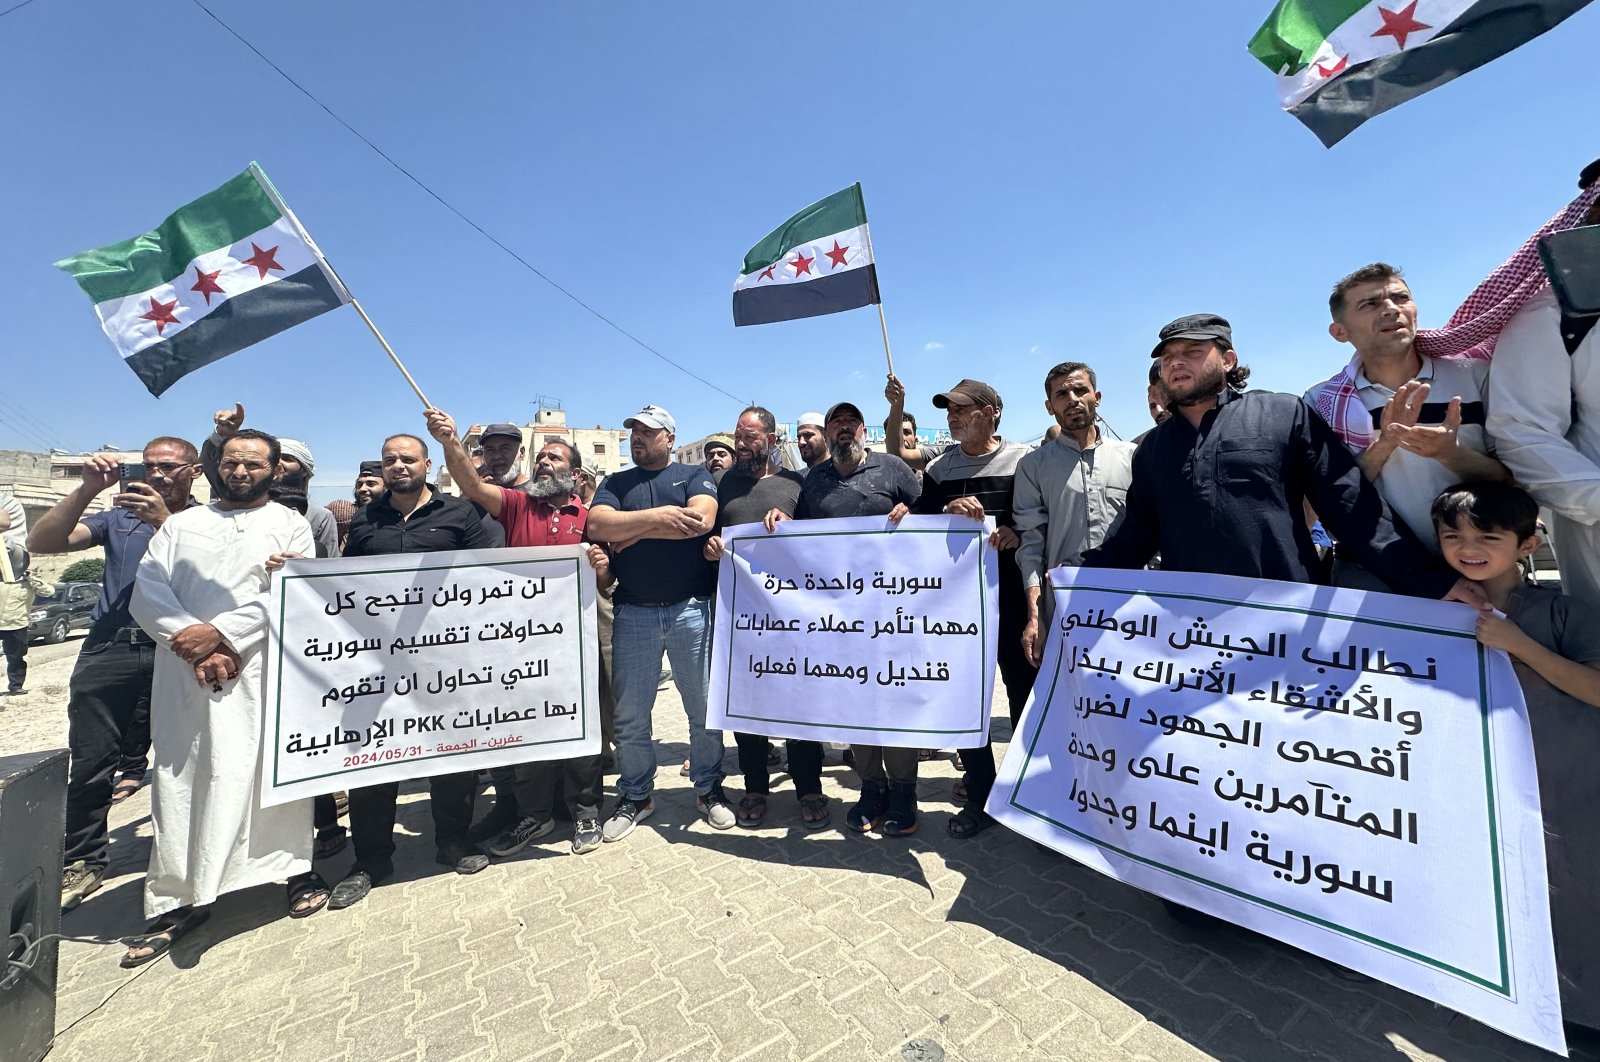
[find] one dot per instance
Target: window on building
(599, 448)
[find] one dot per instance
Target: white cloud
(1034, 349)
(933, 346)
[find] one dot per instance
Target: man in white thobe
(202, 594)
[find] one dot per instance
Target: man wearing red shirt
(545, 511)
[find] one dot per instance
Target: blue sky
(1044, 181)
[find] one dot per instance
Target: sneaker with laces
(586, 836)
(629, 814)
(714, 805)
(520, 836)
(77, 882)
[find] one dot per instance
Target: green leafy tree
(88, 570)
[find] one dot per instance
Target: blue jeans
(638, 635)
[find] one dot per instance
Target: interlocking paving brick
(687, 943)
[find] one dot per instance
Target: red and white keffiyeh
(1472, 330)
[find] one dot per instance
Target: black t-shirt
(742, 500)
(659, 571)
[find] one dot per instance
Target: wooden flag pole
(884, 325)
(393, 357)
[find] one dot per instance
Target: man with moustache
(976, 478)
(745, 494)
(202, 593)
(1221, 487)
(544, 511)
(369, 483)
(719, 454)
(108, 706)
(503, 452)
(811, 439)
(293, 475)
(410, 517)
(655, 517)
(857, 482)
(1069, 493)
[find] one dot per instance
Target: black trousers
(136, 743)
(579, 781)
(1017, 674)
(805, 764)
(109, 691)
(372, 816)
(16, 649)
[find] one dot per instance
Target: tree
(88, 570)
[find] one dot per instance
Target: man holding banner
(1220, 487)
(545, 511)
(856, 482)
(410, 517)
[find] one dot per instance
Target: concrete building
(604, 448)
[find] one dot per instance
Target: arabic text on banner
(1350, 773)
(409, 665)
(856, 630)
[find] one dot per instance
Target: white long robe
(211, 837)
(1544, 417)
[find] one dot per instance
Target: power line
(19, 413)
(529, 266)
(15, 7)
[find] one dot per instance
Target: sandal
(330, 842)
(752, 809)
(814, 811)
(162, 934)
(125, 787)
(956, 759)
(969, 822)
(308, 894)
(958, 791)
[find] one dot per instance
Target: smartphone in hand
(129, 473)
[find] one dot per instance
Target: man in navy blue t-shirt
(655, 518)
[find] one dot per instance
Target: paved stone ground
(687, 943)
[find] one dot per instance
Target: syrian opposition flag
(817, 262)
(1339, 62)
(228, 270)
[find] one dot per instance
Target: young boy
(1484, 529)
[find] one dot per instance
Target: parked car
(68, 609)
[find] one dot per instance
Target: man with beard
(108, 706)
(202, 593)
(1069, 493)
(975, 478)
(655, 517)
(292, 477)
(503, 452)
(369, 483)
(544, 511)
(1221, 486)
(856, 482)
(745, 494)
(719, 454)
(1155, 397)
(811, 439)
(410, 517)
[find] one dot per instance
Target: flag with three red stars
(1340, 62)
(230, 269)
(819, 261)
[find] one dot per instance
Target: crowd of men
(1407, 459)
